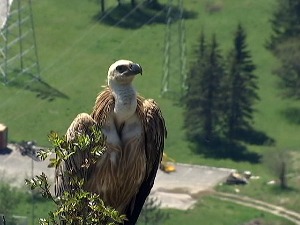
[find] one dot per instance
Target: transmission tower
(18, 49)
(174, 74)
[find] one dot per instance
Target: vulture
(134, 131)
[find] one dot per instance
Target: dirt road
(260, 205)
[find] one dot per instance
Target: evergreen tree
(285, 22)
(242, 88)
(203, 97)
(192, 121)
(288, 54)
(285, 45)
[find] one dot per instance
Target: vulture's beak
(135, 69)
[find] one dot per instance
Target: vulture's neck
(125, 101)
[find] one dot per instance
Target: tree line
(221, 92)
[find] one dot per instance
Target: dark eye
(121, 69)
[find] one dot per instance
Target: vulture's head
(123, 72)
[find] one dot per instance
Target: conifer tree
(288, 71)
(285, 22)
(192, 121)
(203, 97)
(242, 88)
(284, 43)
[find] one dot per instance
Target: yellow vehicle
(167, 164)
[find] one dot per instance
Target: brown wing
(81, 124)
(155, 133)
(104, 104)
(74, 164)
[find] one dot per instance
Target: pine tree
(284, 43)
(242, 88)
(191, 100)
(212, 83)
(203, 97)
(288, 71)
(285, 22)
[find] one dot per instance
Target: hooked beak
(135, 69)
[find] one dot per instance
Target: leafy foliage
(279, 163)
(8, 200)
(75, 206)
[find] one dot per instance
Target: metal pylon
(18, 49)
(174, 73)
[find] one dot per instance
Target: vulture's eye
(121, 69)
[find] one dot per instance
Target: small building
(3, 136)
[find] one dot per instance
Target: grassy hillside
(75, 51)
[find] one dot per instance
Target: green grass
(75, 52)
(261, 190)
(208, 210)
(33, 210)
(217, 212)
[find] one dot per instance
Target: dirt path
(260, 205)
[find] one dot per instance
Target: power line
(81, 37)
(123, 42)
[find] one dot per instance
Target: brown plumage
(135, 132)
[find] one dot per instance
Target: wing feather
(81, 124)
(155, 133)
(104, 104)
(74, 164)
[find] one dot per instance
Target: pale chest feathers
(123, 124)
(122, 168)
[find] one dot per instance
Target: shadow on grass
(125, 16)
(254, 137)
(42, 89)
(223, 149)
(292, 115)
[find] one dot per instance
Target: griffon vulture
(135, 131)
